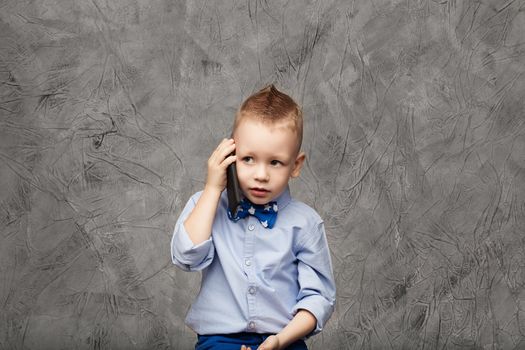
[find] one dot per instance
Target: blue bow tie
(266, 213)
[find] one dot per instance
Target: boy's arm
(301, 325)
(316, 280)
(191, 246)
(200, 221)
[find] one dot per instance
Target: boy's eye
(247, 159)
(276, 162)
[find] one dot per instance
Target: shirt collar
(284, 198)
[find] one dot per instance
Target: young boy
(267, 276)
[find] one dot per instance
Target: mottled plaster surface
(414, 132)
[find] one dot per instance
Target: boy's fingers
(223, 141)
(229, 160)
(221, 152)
(225, 145)
(220, 144)
(229, 148)
(225, 152)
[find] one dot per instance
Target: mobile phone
(233, 188)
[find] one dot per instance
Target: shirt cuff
(320, 307)
(190, 256)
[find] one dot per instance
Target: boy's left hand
(271, 343)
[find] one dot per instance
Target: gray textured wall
(415, 138)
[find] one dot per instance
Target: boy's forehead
(251, 135)
(247, 124)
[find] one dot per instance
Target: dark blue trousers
(235, 340)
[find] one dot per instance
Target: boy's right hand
(217, 164)
(200, 221)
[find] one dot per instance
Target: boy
(266, 273)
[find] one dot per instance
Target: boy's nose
(261, 173)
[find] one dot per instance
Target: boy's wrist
(213, 190)
(279, 342)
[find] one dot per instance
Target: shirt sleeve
(316, 280)
(184, 253)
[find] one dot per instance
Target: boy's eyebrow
(272, 156)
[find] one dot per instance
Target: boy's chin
(259, 200)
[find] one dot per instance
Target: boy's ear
(298, 164)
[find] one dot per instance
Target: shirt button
(251, 227)
(251, 325)
(248, 262)
(251, 290)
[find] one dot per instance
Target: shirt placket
(249, 269)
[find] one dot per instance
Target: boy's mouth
(258, 192)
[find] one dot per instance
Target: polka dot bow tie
(266, 213)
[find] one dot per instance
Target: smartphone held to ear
(233, 188)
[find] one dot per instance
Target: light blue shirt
(255, 279)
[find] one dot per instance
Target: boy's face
(266, 158)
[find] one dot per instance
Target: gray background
(414, 132)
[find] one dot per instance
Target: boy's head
(272, 107)
(268, 133)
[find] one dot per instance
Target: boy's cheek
(241, 172)
(241, 176)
